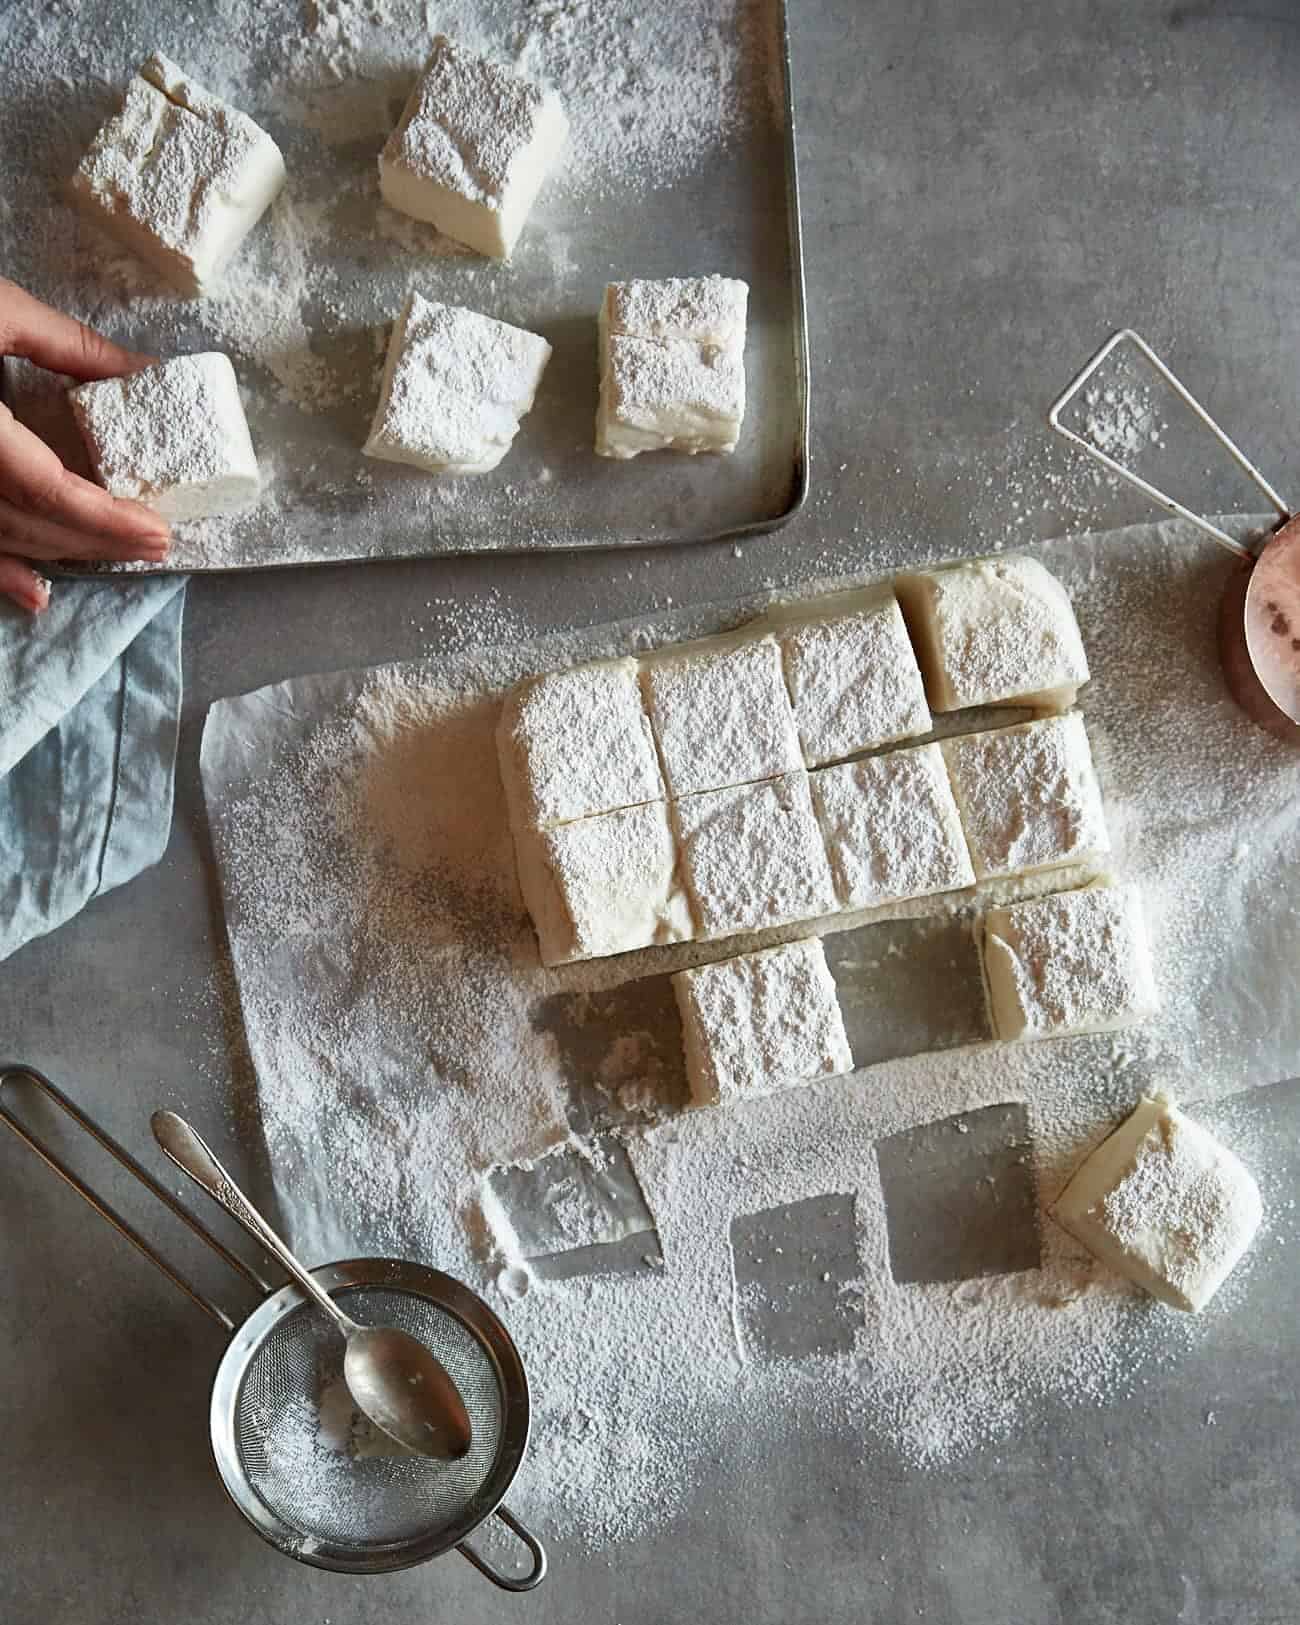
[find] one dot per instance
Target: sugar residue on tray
(397, 1015)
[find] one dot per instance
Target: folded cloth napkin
(90, 699)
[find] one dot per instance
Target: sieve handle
(511, 1582)
(192, 1155)
(17, 1073)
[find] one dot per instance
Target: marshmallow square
(603, 885)
(1028, 796)
(668, 395)
(575, 743)
(752, 856)
(173, 436)
(1076, 962)
(472, 148)
(178, 175)
(455, 386)
(1163, 1202)
(995, 631)
(853, 680)
(891, 828)
(762, 1022)
(721, 714)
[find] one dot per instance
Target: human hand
(47, 511)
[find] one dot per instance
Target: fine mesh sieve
(294, 1455)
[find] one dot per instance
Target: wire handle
(193, 1156)
(17, 1072)
(509, 1582)
(1168, 503)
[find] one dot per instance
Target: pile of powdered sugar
(399, 1020)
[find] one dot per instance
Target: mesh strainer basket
(311, 1479)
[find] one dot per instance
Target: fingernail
(40, 596)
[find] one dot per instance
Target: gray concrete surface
(988, 190)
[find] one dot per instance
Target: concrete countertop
(988, 190)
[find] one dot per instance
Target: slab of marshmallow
(752, 856)
(603, 885)
(668, 395)
(575, 743)
(178, 175)
(721, 714)
(994, 632)
(455, 386)
(761, 1022)
(1075, 962)
(173, 436)
(702, 309)
(891, 828)
(472, 148)
(1028, 796)
(853, 679)
(1163, 1202)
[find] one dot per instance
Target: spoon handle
(189, 1152)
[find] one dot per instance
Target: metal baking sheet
(736, 211)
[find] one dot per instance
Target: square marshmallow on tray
(891, 828)
(672, 366)
(1075, 962)
(178, 175)
(1162, 1202)
(472, 148)
(575, 743)
(761, 1022)
(853, 679)
(604, 885)
(1028, 796)
(721, 714)
(994, 632)
(455, 387)
(173, 436)
(752, 856)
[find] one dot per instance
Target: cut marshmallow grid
(178, 175)
(762, 1022)
(575, 743)
(1028, 796)
(1163, 1202)
(672, 366)
(752, 856)
(721, 714)
(853, 679)
(471, 149)
(603, 885)
(891, 828)
(725, 716)
(995, 631)
(173, 436)
(1074, 962)
(455, 386)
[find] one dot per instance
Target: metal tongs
(1259, 618)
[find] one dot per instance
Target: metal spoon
(399, 1384)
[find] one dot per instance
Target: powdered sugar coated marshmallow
(761, 1022)
(178, 175)
(455, 387)
(472, 148)
(604, 885)
(1163, 1202)
(752, 856)
(721, 714)
(172, 436)
(853, 680)
(891, 828)
(672, 366)
(1028, 796)
(575, 743)
(1076, 962)
(994, 632)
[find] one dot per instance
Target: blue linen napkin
(90, 699)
